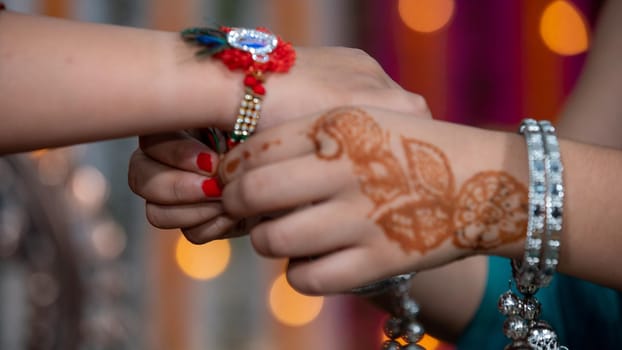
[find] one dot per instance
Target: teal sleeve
(585, 315)
(485, 330)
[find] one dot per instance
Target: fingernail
(204, 162)
(211, 188)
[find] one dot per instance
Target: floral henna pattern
(418, 208)
(429, 170)
(353, 132)
(491, 209)
(415, 225)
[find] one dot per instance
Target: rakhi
(253, 51)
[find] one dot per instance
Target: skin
(356, 233)
(92, 82)
(355, 249)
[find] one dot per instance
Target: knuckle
(278, 242)
(179, 189)
(180, 151)
(309, 283)
(251, 187)
(153, 215)
(411, 103)
(220, 225)
(133, 172)
(359, 53)
(419, 103)
(192, 235)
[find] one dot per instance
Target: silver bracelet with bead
(403, 324)
(554, 203)
(546, 192)
(527, 272)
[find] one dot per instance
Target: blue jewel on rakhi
(259, 44)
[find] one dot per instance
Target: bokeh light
(426, 15)
(428, 341)
(290, 307)
(202, 262)
(108, 239)
(89, 187)
(53, 166)
(564, 29)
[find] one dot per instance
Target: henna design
(354, 132)
(491, 209)
(429, 170)
(232, 165)
(418, 208)
(267, 145)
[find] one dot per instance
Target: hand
(371, 193)
(328, 77)
(175, 173)
(322, 78)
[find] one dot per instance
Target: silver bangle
(527, 272)
(544, 224)
(554, 203)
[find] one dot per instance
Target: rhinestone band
(554, 203)
(248, 117)
(528, 272)
(544, 225)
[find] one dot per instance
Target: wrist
(512, 160)
(198, 91)
(490, 200)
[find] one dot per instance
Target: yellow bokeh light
(564, 29)
(202, 262)
(426, 15)
(428, 341)
(290, 307)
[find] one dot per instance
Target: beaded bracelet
(402, 325)
(254, 51)
(546, 192)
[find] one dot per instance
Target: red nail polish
(211, 188)
(204, 162)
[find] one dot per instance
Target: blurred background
(81, 269)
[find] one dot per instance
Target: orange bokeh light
(564, 29)
(202, 262)
(428, 341)
(290, 307)
(426, 15)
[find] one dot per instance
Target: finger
(180, 150)
(283, 142)
(164, 185)
(333, 273)
(176, 216)
(313, 230)
(216, 228)
(285, 185)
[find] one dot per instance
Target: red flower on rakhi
(280, 59)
